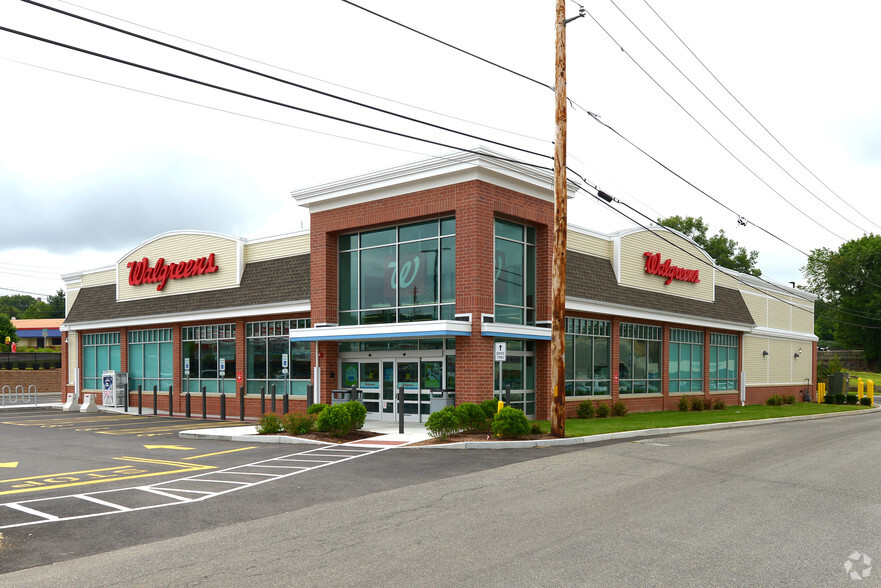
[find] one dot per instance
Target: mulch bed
(328, 438)
(463, 437)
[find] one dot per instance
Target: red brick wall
(47, 381)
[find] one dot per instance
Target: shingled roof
(592, 278)
(265, 282)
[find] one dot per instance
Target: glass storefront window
(723, 362)
(267, 343)
(205, 346)
(150, 356)
(514, 273)
(587, 356)
(101, 351)
(639, 352)
(398, 274)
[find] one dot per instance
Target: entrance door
(380, 380)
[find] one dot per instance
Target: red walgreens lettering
(140, 272)
(667, 270)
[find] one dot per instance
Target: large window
(639, 351)
(514, 273)
(150, 353)
(587, 357)
(723, 362)
(267, 344)
(398, 274)
(204, 347)
(100, 352)
(686, 361)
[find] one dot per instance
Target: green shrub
(683, 404)
(829, 399)
(298, 423)
(775, 400)
(719, 405)
(490, 406)
(840, 398)
(535, 430)
(315, 408)
(269, 424)
(442, 423)
(866, 401)
(789, 399)
(472, 417)
(697, 403)
(510, 422)
(335, 419)
(357, 414)
(619, 409)
(585, 410)
(852, 399)
(603, 410)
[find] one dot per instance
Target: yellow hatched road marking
(88, 477)
(172, 427)
(221, 452)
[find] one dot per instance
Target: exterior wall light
(765, 353)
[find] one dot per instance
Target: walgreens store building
(408, 278)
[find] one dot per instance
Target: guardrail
(10, 398)
(33, 361)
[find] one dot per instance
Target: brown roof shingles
(592, 278)
(265, 282)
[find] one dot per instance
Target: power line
(726, 117)
(323, 81)
(745, 109)
(265, 100)
(707, 131)
(450, 45)
(284, 81)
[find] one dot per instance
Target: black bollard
(140, 399)
(155, 400)
(401, 410)
(284, 403)
(204, 403)
(187, 404)
(242, 403)
(262, 400)
(508, 395)
(272, 396)
(223, 406)
(310, 390)
(171, 401)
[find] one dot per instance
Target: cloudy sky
(98, 156)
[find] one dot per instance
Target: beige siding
(803, 317)
(177, 248)
(779, 313)
(801, 367)
(72, 356)
(589, 244)
(284, 247)
(755, 364)
(758, 307)
(632, 265)
(70, 297)
(727, 281)
(101, 278)
(781, 361)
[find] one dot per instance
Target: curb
(639, 434)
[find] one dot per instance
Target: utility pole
(558, 271)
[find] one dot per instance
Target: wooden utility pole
(558, 272)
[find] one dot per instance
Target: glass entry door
(380, 379)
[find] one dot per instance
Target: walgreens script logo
(140, 272)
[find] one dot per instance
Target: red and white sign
(653, 265)
(140, 272)
(239, 378)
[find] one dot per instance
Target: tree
(848, 281)
(57, 306)
(6, 330)
(15, 306)
(724, 251)
(37, 310)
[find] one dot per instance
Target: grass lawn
(876, 378)
(576, 427)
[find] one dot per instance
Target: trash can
(341, 396)
(441, 399)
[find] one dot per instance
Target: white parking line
(114, 499)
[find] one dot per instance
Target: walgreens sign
(666, 269)
(140, 272)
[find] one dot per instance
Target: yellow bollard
(501, 405)
(870, 391)
(821, 392)
(859, 387)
